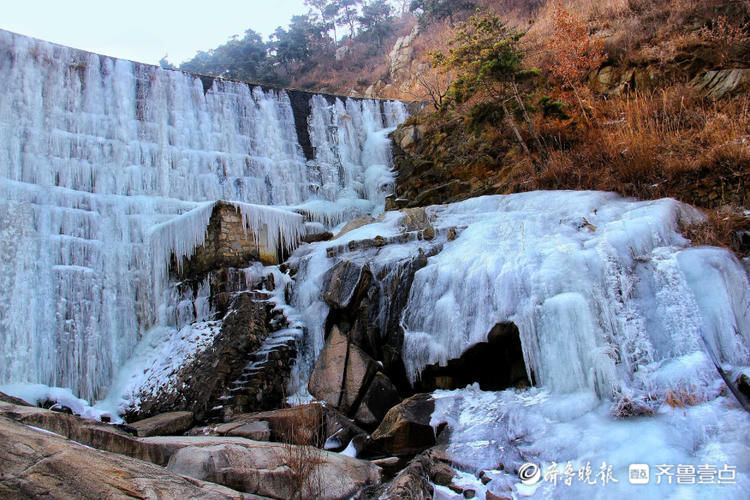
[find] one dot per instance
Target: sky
(143, 30)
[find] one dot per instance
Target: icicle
(273, 228)
(179, 236)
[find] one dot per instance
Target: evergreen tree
(376, 20)
(348, 14)
(292, 45)
(242, 59)
(329, 11)
(429, 11)
(487, 59)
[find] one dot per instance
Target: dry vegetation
(302, 454)
(652, 136)
(669, 142)
(363, 65)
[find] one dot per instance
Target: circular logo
(530, 474)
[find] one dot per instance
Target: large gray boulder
(38, 464)
(277, 470)
(342, 283)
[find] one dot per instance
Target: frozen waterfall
(107, 167)
(618, 318)
(603, 290)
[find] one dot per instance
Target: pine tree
(486, 57)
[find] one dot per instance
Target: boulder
(164, 424)
(39, 464)
(405, 430)
(277, 470)
(415, 219)
(257, 430)
(341, 283)
(88, 432)
(416, 480)
(300, 425)
(408, 136)
(315, 424)
(380, 397)
(316, 237)
(342, 373)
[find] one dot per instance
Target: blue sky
(143, 30)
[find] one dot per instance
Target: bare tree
(433, 84)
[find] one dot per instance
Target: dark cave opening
(496, 365)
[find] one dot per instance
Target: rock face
(342, 373)
(164, 424)
(406, 429)
(277, 470)
(38, 464)
(203, 380)
(718, 84)
(401, 56)
(343, 280)
(364, 334)
(87, 432)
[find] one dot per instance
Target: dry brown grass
(364, 65)
(681, 398)
(666, 143)
(719, 229)
(647, 31)
(301, 453)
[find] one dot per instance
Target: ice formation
(600, 287)
(108, 167)
(612, 305)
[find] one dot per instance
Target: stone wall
(228, 244)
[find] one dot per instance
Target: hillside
(663, 112)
